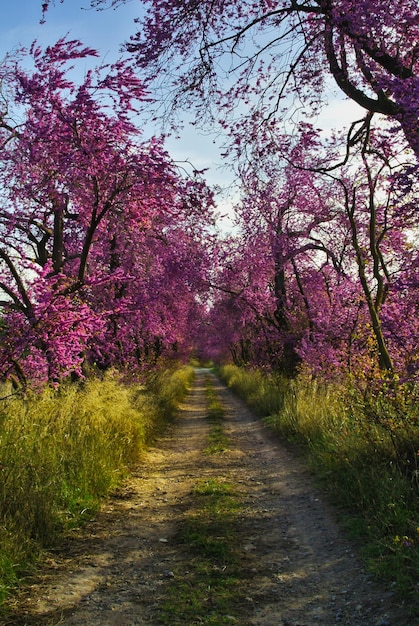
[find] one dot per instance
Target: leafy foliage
(104, 247)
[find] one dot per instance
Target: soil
(117, 570)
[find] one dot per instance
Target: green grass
(218, 441)
(62, 451)
(208, 592)
(363, 446)
(263, 392)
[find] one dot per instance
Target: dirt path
(118, 570)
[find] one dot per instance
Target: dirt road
(297, 569)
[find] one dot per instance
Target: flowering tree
(375, 197)
(265, 50)
(288, 253)
(84, 202)
(326, 257)
(326, 260)
(161, 273)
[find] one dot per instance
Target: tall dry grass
(62, 451)
(262, 391)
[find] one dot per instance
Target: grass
(363, 446)
(62, 451)
(262, 392)
(208, 592)
(218, 441)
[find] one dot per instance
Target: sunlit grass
(62, 451)
(262, 392)
(364, 448)
(209, 592)
(218, 440)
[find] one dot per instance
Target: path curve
(302, 571)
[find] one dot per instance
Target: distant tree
(325, 258)
(289, 248)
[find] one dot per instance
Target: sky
(103, 30)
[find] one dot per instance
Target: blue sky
(104, 30)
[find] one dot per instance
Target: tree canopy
(260, 52)
(104, 244)
(109, 256)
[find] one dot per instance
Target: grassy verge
(262, 393)
(208, 592)
(364, 448)
(62, 451)
(218, 441)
